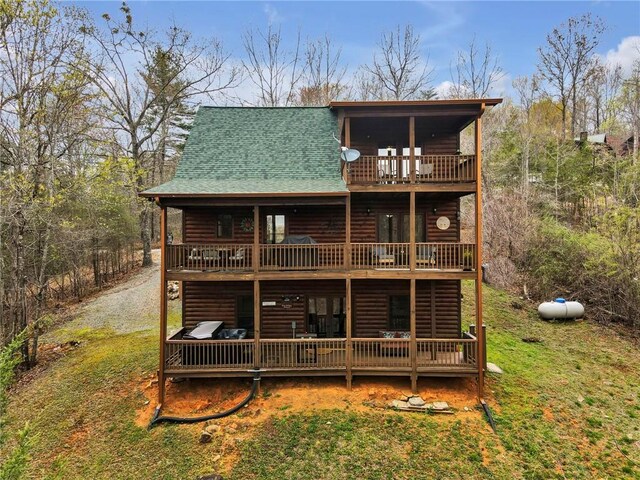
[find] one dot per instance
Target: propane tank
(560, 309)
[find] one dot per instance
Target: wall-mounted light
(295, 210)
(368, 210)
(434, 210)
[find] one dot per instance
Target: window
(399, 312)
(276, 228)
(244, 312)
(225, 226)
(389, 230)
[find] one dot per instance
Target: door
(326, 317)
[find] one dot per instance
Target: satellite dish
(349, 154)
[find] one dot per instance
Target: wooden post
(478, 259)
(163, 301)
(347, 234)
(413, 348)
(349, 346)
(257, 361)
(347, 143)
(412, 230)
(256, 239)
(412, 147)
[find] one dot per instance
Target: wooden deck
(322, 356)
(330, 257)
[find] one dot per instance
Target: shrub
(15, 461)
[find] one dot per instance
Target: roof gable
(233, 150)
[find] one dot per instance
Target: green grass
(567, 407)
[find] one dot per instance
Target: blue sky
(514, 29)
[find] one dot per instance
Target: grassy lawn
(566, 407)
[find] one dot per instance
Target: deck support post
(478, 259)
(163, 302)
(412, 230)
(412, 147)
(348, 325)
(347, 143)
(257, 361)
(256, 239)
(413, 348)
(347, 234)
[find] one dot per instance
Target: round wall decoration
(443, 223)
(246, 224)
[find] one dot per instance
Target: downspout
(156, 419)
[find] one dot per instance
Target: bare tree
(476, 72)
(273, 70)
(631, 104)
(600, 93)
(44, 111)
(566, 62)
(528, 90)
(398, 70)
(136, 108)
(323, 78)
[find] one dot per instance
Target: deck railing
(381, 352)
(319, 256)
(218, 257)
(380, 256)
(208, 354)
(303, 354)
(372, 169)
(320, 354)
(448, 256)
(456, 353)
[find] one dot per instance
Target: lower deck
(314, 356)
(323, 328)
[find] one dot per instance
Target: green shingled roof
(240, 150)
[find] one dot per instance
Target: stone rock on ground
(205, 437)
(493, 368)
(440, 406)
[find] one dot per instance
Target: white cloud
(443, 89)
(273, 16)
(627, 51)
(446, 18)
(502, 87)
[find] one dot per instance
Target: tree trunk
(145, 235)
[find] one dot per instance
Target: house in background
(619, 146)
(310, 265)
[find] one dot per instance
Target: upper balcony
(410, 146)
(397, 170)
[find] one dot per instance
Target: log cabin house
(316, 266)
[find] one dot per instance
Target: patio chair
(386, 170)
(425, 171)
(426, 256)
(236, 258)
(381, 257)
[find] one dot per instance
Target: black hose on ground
(487, 411)
(156, 419)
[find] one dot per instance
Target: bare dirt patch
(197, 397)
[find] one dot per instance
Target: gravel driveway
(129, 307)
